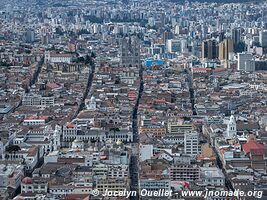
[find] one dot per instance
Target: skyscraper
(209, 49)
(204, 31)
(166, 36)
(221, 36)
(263, 38)
(29, 36)
(225, 47)
(236, 35)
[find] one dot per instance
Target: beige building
(154, 131)
(112, 184)
(225, 47)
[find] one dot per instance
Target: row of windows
(58, 190)
(214, 180)
(35, 187)
(34, 123)
(109, 186)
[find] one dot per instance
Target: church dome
(77, 144)
(77, 140)
(27, 180)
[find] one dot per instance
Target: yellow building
(113, 184)
(155, 131)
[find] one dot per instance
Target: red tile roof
(252, 145)
(76, 196)
(70, 125)
(147, 76)
(37, 117)
(53, 85)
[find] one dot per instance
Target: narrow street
(32, 81)
(87, 89)
(228, 183)
(134, 165)
(219, 164)
(191, 90)
(35, 75)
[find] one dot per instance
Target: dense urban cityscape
(133, 99)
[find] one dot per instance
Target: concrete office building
(246, 62)
(209, 49)
(173, 46)
(236, 35)
(184, 173)
(191, 143)
(263, 38)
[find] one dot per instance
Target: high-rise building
(178, 29)
(209, 49)
(191, 143)
(225, 47)
(130, 51)
(29, 36)
(246, 62)
(263, 38)
(184, 46)
(166, 36)
(173, 46)
(221, 36)
(204, 31)
(236, 35)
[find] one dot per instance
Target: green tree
(13, 149)
(88, 59)
(114, 129)
(93, 55)
(80, 59)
